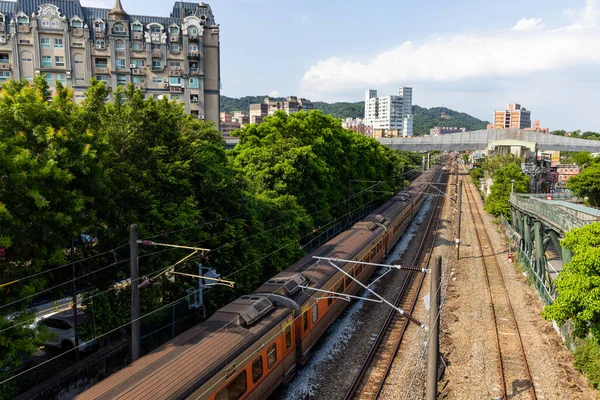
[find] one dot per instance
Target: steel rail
(406, 285)
(482, 234)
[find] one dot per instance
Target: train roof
(217, 341)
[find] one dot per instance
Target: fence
(545, 289)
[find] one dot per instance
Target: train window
(288, 337)
(329, 299)
(315, 314)
(305, 321)
(272, 355)
(257, 369)
(235, 390)
(352, 272)
(373, 252)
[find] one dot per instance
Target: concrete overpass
(478, 140)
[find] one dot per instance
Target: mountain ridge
(424, 118)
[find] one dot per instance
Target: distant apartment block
(514, 117)
(392, 115)
(290, 105)
(175, 57)
(357, 125)
(537, 127)
(565, 171)
(232, 121)
(444, 130)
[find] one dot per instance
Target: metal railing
(557, 217)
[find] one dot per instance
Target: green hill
(425, 118)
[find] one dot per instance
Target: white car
(61, 325)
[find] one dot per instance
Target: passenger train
(252, 345)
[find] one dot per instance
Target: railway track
(373, 373)
(513, 369)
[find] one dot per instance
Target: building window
(120, 45)
(136, 28)
(46, 61)
(54, 23)
(49, 79)
(193, 47)
(174, 30)
(138, 80)
(101, 63)
(194, 67)
(175, 97)
(76, 24)
(99, 44)
(99, 26)
(174, 81)
(156, 65)
(62, 78)
(23, 20)
(121, 80)
(175, 64)
(102, 78)
(120, 62)
(137, 46)
(175, 48)
(59, 61)
(4, 76)
(192, 31)
(45, 42)
(138, 62)
(155, 46)
(155, 29)
(118, 28)
(194, 83)
(45, 23)
(156, 79)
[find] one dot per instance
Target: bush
(587, 360)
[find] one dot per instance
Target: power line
(63, 266)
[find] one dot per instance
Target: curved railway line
(374, 371)
(513, 370)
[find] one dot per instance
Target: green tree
(497, 162)
(476, 175)
(582, 158)
(578, 284)
(587, 184)
(465, 158)
(497, 202)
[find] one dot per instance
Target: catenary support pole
(348, 204)
(135, 293)
(74, 292)
(433, 346)
(460, 186)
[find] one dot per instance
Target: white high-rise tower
(390, 112)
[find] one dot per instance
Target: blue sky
(470, 56)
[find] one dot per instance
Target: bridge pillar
(527, 240)
(539, 252)
(556, 242)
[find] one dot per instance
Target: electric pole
(74, 290)
(433, 345)
(460, 186)
(135, 293)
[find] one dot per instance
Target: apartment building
(175, 56)
(566, 171)
(233, 121)
(357, 125)
(290, 105)
(390, 113)
(514, 117)
(445, 130)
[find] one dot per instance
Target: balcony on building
(175, 89)
(23, 28)
(156, 53)
(77, 31)
(193, 54)
(138, 71)
(194, 99)
(4, 62)
(193, 37)
(101, 66)
(99, 33)
(175, 72)
(140, 86)
(138, 36)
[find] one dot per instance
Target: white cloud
(526, 24)
(460, 57)
(273, 93)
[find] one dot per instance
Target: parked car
(61, 325)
